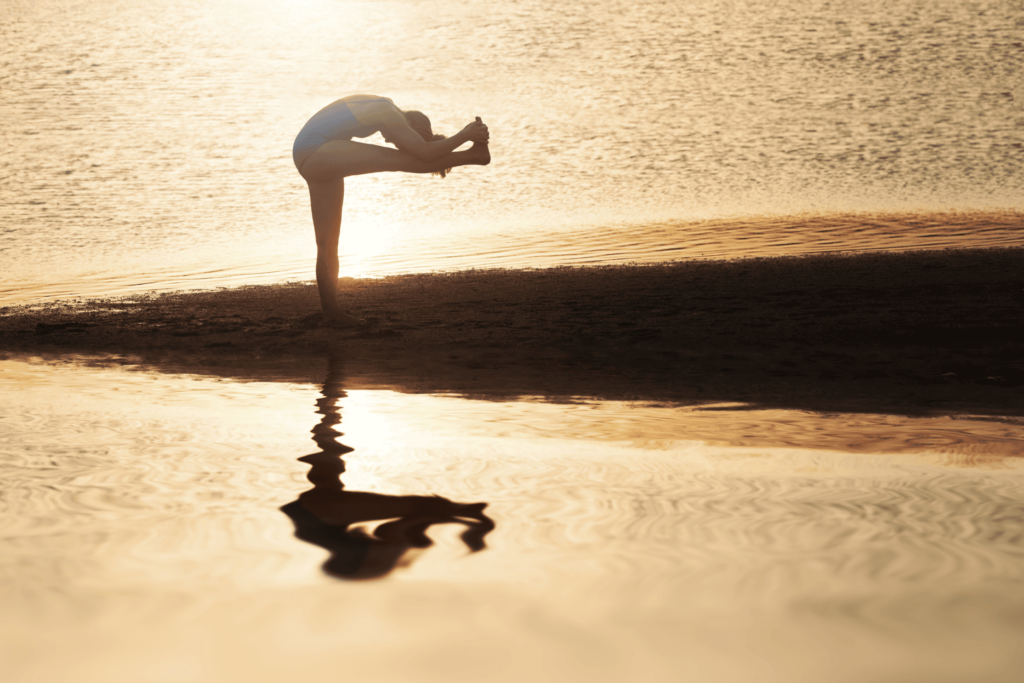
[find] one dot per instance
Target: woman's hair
(419, 122)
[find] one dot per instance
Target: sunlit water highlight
(141, 539)
(147, 145)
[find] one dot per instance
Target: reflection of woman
(326, 514)
(356, 554)
(325, 154)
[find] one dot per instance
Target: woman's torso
(340, 121)
(344, 119)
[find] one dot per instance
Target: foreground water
(147, 145)
(142, 538)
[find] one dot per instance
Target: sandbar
(917, 333)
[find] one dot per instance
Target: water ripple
(618, 128)
(131, 497)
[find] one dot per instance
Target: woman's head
(419, 122)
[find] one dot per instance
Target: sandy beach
(926, 332)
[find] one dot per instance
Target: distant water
(141, 539)
(147, 145)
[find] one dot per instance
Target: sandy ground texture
(927, 332)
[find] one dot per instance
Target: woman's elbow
(418, 150)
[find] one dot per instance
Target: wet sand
(926, 332)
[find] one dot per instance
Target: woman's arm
(396, 129)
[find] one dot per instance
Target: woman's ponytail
(438, 136)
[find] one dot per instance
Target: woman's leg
(325, 171)
(325, 199)
(340, 158)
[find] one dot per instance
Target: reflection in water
(140, 538)
(327, 514)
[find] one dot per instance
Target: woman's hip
(303, 148)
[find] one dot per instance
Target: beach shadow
(335, 519)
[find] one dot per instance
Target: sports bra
(337, 122)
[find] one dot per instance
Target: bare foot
(342, 321)
(482, 152)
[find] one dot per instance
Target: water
(146, 145)
(141, 538)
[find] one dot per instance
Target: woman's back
(337, 122)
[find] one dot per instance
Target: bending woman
(325, 154)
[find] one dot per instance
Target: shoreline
(921, 332)
(653, 241)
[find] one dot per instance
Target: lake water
(142, 537)
(147, 145)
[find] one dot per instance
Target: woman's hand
(476, 132)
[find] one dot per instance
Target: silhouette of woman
(324, 514)
(325, 154)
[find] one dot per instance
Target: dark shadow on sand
(914, 333)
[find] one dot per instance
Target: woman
(325, 154)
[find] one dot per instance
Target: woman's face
(424, 132)
(419, 123)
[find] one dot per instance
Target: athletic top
(334, 122)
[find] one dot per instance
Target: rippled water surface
(141, 537)
(147, 145)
